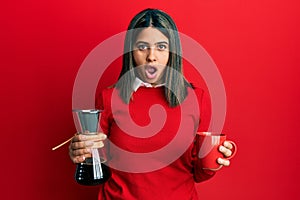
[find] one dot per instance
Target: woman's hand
(225, 149)
(80, 146)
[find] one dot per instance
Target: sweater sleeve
(205, 110)
(103, 104)
(205, 116)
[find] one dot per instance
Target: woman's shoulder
(103, 96)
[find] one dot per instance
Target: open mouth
(151, 71)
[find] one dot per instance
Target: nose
(151, 57)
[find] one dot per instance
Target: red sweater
(152, 145)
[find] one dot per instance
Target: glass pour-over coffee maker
(92, 171)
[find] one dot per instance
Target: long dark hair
(176, 85)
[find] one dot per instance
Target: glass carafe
(93, 170)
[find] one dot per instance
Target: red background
(255, 45)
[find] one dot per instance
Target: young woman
(152, 157)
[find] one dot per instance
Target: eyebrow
(143, 42)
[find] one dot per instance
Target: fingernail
(221, 148)
(88, 150)
(220, 161)
(89, 143)
(82, 137)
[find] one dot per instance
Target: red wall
(255, 45)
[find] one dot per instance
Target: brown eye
(162, 47)
(142, 47)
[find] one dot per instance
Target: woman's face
(151, 55)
